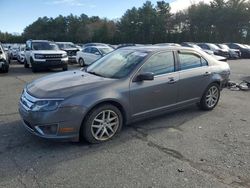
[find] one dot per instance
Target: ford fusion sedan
(124, 86)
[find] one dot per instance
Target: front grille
(71, 52)
(53, 56)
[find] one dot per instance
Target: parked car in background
(215, 49)
(21, 54)
(94, 44)
(43, 54)
(125, 86)
(91, 53)
(233, 53)
(245, 52)
(71, 50)
(193, 45)
(167, 44)
(4, 64)
(13, 52)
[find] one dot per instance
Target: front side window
(189, 61)
(161, 63)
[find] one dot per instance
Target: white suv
(43, 54)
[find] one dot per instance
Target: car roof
(64, 42)
(39, 41)
(98, 46)
(156, 48)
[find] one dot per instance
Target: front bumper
(72, 59)
(57, 63)
(66, 120)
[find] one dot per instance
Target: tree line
(219, 21)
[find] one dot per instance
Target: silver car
(125, 86)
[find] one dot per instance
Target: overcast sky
(17, 14)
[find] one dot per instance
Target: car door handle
(171, 80)
(207, 73)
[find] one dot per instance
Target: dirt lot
(188, 148)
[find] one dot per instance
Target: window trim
(134, 75)
(188, 52)
(160, 52)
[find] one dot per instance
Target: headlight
(46, 105)
(64, 55)
(39, 56)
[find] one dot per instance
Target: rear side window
(161, 63)
(190, 61)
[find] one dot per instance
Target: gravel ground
(188, 148)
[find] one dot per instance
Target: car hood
(49, 52)
(65, 84)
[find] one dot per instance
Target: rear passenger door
(195, 76)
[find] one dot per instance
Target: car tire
(210, 97)
(65, 68)
(102, 124)
(81, 62)
(5, 68)
(26, 65)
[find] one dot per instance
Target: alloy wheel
(212, 96)
(105, 125)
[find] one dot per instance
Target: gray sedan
(125, 86)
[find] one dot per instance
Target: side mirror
(97, 53)
(145, 76)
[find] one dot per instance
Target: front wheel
(5, 68)
(26, 65)
(81, 62)
(65, 68)
(210, 97)
(102, 124)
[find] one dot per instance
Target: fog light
(47, 129)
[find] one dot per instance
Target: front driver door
(158, 94)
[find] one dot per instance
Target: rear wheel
(81, 62)
(210, 97)
(102, 124)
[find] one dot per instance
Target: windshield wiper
(94, 73)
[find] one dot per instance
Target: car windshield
(241, 46)
(44, 46)
(117, 64)
(214, 46)
(196, 47)
(66, 45)
(105, 50)
(223, 46)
